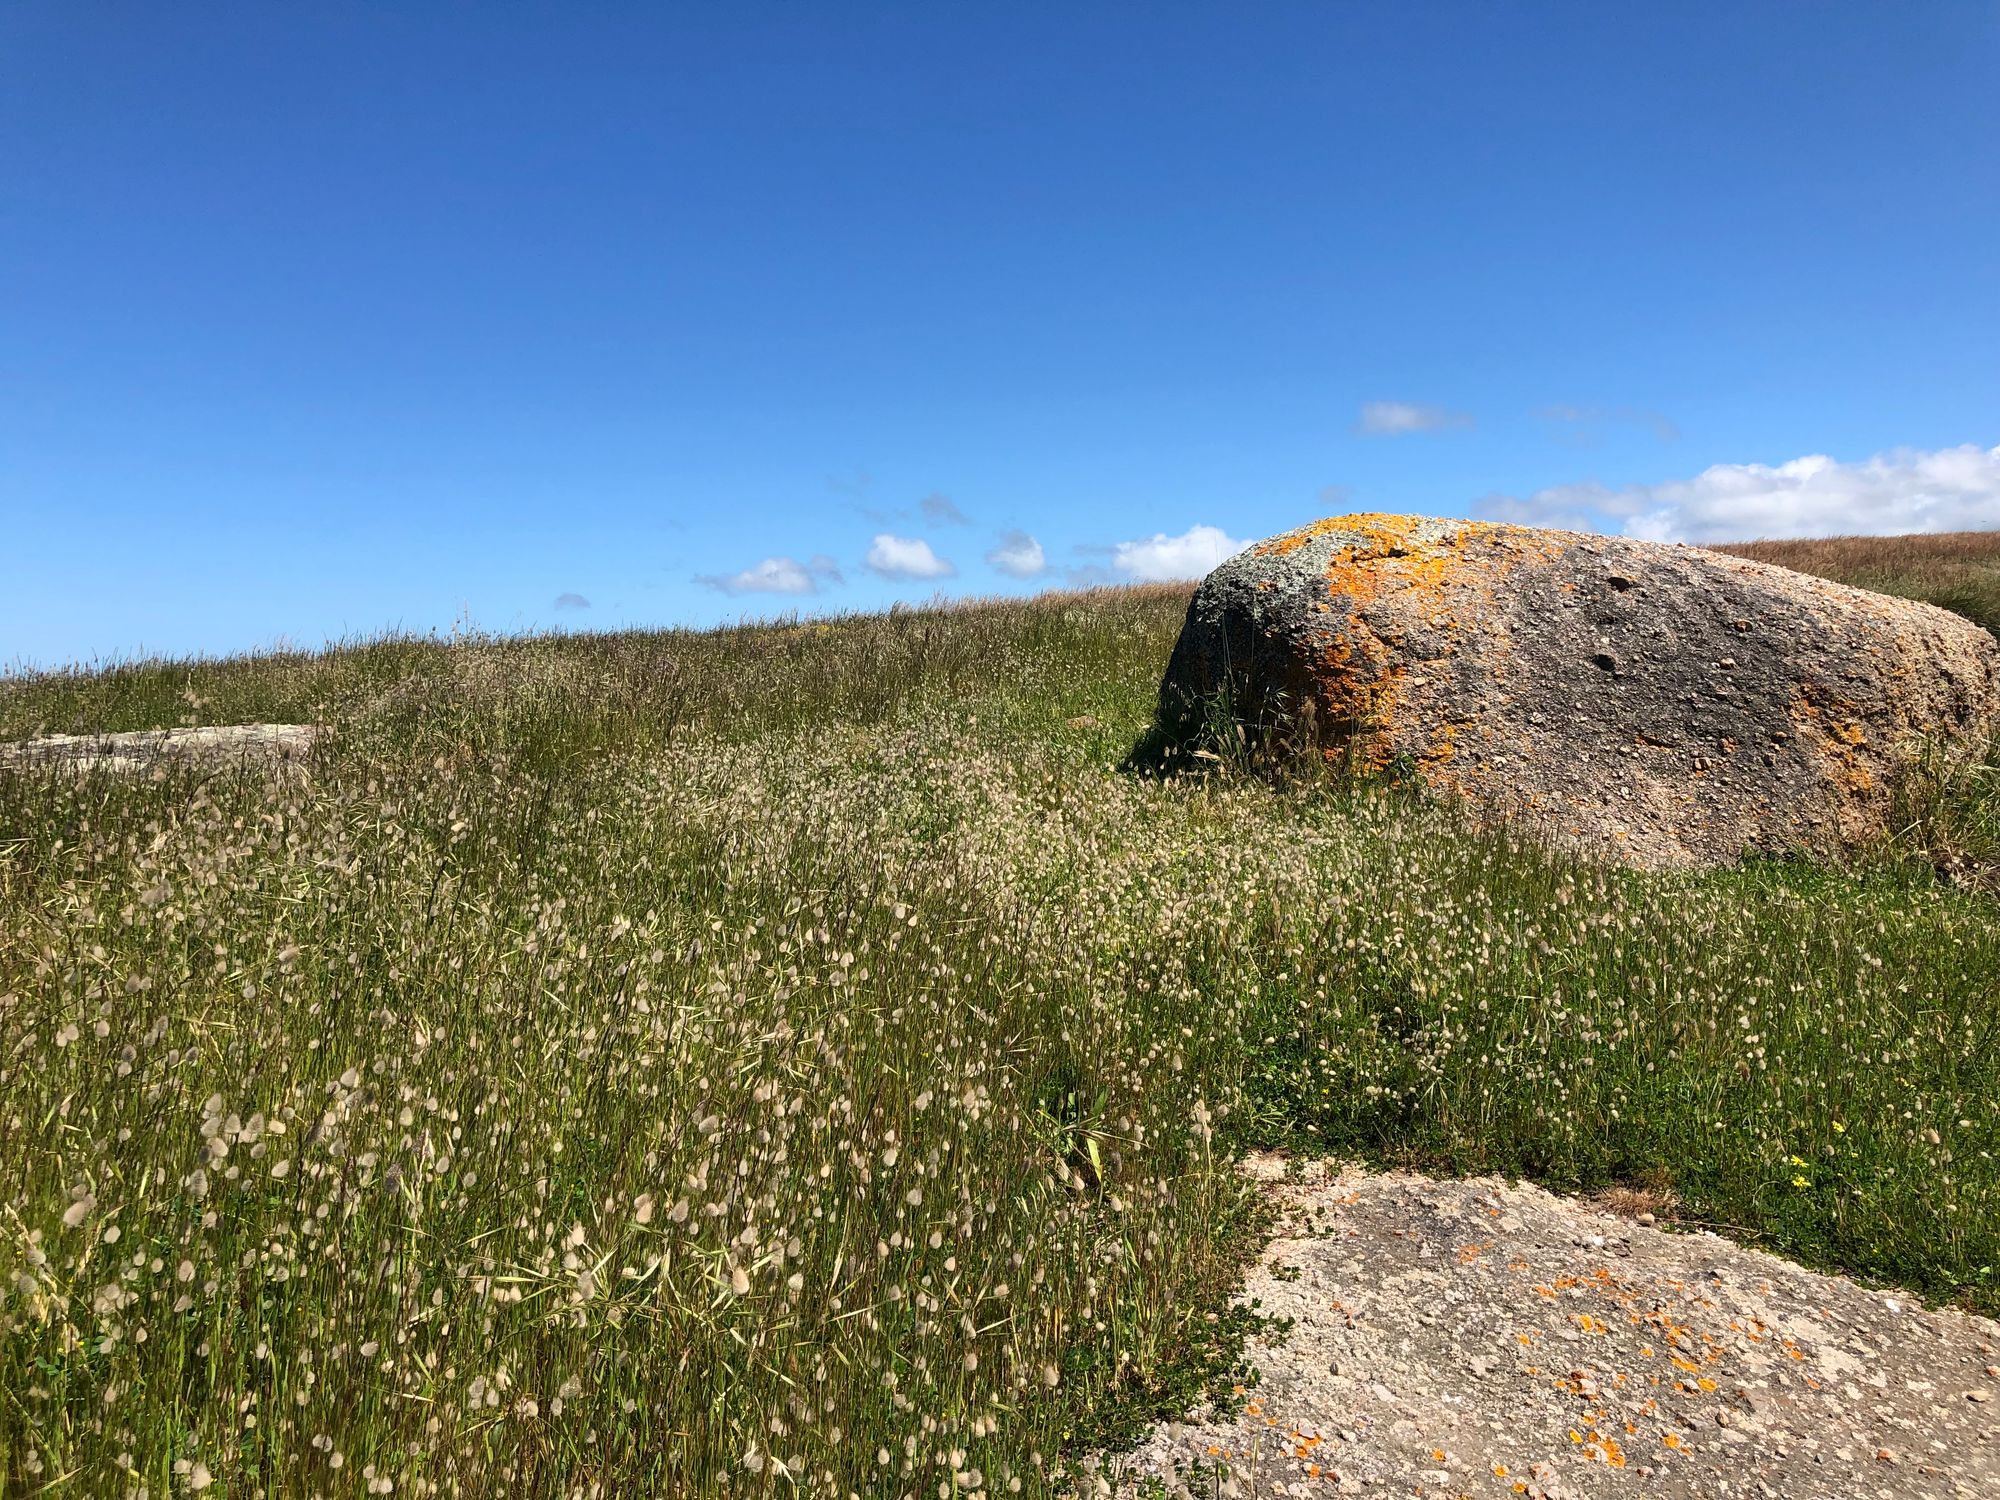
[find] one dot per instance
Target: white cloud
(1018, 555)
(1907, 489)
(1396, 418)
(1163, 559)
(906, 557)
(777, 575)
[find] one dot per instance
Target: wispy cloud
(571, 601)
(776, 575)
(906, 557)
(1585, 424)
(1400, 418)
(942, 509)
(1162, 559)
(859, 488)
(1906, 489)
(1019, 555)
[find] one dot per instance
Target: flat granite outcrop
(217, 745)
(1480, 1340)
(1663, 706)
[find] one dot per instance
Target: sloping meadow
(805, 1060)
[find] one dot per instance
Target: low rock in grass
(221, 745)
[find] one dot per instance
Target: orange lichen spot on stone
(1443, 746)
(1837, 742)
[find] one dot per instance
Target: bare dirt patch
(1475, 1338)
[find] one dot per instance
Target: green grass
(801, 1059)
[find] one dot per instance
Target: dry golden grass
(1956, 570)
(1858, 556)
(1654, 1198)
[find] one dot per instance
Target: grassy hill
(800, 1059)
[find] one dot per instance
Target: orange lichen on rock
(1374, 532)
(1431, 573)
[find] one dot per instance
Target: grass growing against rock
(800, 1059)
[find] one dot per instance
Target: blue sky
(317, 319)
